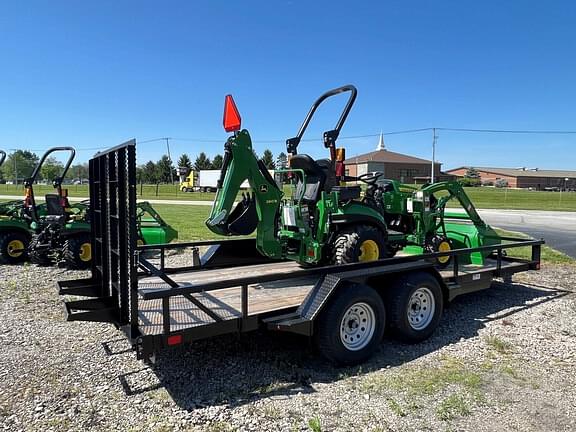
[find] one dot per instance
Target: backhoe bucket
(244, 218)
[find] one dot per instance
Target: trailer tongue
(232, 288)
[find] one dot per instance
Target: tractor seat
(53, 205)
(315, 177)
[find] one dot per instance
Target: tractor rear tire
(359, 244)
(414, 306)
(77, 252)
(9, 241)
(350, 327)
(40, 258)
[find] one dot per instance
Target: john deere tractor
(326, 221)
(14, 230)
(323, 221)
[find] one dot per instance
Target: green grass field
(482, 197)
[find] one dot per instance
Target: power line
(511, 131)
(399, 132)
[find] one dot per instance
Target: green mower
(325, 220)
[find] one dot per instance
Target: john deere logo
(263, 188)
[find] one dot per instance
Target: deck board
(264, 297)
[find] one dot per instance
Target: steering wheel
(371, 177)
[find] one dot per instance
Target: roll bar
(330, 136)
(2, 157)
(58, 180)
(30, 200)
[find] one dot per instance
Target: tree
(165, 170)
(78, 171)
(268, 159)
(202, 162)
(185, 162)
(282, 161)
(471, 177)
(21, 162)
(472, 172)
(217, 162)
(149, 173)
(51, 168)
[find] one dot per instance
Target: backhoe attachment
(258, 210)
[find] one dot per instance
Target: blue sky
(93, 74)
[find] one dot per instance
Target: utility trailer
(230, 288)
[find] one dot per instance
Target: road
(557, 228)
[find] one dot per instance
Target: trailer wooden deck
(264, 297)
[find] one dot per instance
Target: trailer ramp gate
(114, 282)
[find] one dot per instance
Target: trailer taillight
(232, 120)
(174, 339)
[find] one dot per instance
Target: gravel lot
(501, 360)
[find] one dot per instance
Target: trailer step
(291, 322)
(102, 309)
(80, 287)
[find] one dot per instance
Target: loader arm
(257, 211)
(455, 190)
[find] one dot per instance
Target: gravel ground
(501, 360)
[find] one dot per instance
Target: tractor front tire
(359, 244)
(9, 242)
(77, 252)
(38, 257)
(350, 327)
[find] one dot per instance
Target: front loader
(323, 221)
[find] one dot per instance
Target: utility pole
(14, 156)
(434, 138)
(169, 160)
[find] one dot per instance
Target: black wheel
(12, 247)
(441, 244)
(350, 327)
(77, 252)
(359, 244)
(39, 257)
(414, 306)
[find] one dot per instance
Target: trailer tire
(357, 244)
(414, 306)
(351, 326)
(38, 257)
(10, 241)
(77, 252)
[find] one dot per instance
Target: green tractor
(61, 232)
(323, 221)
(15, 232)
(326, 221)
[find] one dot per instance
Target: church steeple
(381, 143)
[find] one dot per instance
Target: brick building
(524, 178)
(395, 166)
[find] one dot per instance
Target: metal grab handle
(32, 178)
(330, 136)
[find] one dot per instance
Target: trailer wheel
(11, 247)
(360, 244)
(39, 257)
(414, 305)
(78, 252)
(350, 327)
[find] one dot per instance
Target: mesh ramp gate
(114, 283)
